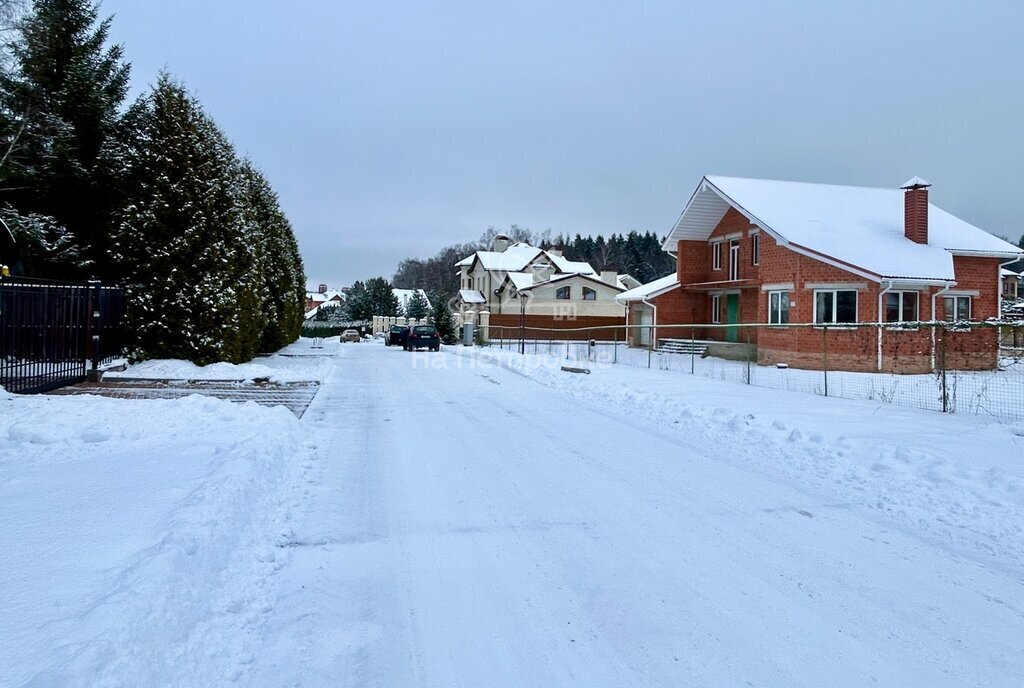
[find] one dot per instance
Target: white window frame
(734, 259)
(779, 293)
(954, 298)
(716, 255)
(755, 248)
(716, 309)
(835, 309)
(899, 306)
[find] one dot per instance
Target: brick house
(774, 252)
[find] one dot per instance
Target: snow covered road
(476, 518)
(466, 526)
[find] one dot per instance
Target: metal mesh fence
(968, 368)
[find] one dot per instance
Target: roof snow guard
(858, 229)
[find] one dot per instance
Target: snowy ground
(997, 394)
(477, 518)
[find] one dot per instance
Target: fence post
(693, 347)
(650, 348)
(93, 331)
(824, 355)
(748, 355)
(942, 367)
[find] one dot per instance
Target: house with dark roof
(780, 253)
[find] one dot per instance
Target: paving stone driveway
(295, 396)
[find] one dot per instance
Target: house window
(755, 250)
(835, 306)
(716, 309)
(734, 259)
(778, 307)
(957, 307)
(589, 294)
(900, 306)
(716, 255)
(562, 293)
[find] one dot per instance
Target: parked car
(350, 336)
(397, 336)
(423, 337)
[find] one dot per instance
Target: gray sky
(391, 129)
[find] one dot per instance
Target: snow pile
(958, 479)
(298, 362)
(138, 536)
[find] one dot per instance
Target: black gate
(52, 333)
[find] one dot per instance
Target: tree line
(634, 253)
(152, 196)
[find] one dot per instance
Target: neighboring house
(519, 283)
(403, 296)
(322, 298)
(774, 252)
(1011, 284)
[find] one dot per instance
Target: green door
(732, 316)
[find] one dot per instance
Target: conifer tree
(180, 239)
(417, 307)
(441, 317)
(60, 97)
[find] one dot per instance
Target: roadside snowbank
(956, 479)
(297, 362)
(138, 536)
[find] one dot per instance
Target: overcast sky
(391, 129)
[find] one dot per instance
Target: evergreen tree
(277, 273)
(381, 298)
(180, 240)
(441, 317)
(357, 305)
(60, 97)
(417, 307)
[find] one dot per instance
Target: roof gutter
(881, 293)
(654, 327)
(935, 298)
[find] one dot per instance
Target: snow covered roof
(320, 297)
(518, 256)
(403, 296)
(1003, 272)
(855, 226)
(658, 286)
(521, 280)
(471, 296)
(577, 266)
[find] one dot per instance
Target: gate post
(93, 329)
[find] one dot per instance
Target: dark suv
(423, 337)
(397, 336)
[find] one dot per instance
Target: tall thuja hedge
(186, 254)
(282, 281)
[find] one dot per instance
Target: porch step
(682, 346)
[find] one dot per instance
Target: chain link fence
(965, 367)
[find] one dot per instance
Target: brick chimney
(915, 209)
(323, 289)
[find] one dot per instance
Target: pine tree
(441, 317)
(381, 298)
(417, 308)
(59, 104)
(180, 239)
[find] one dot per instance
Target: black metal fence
(52, 333)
